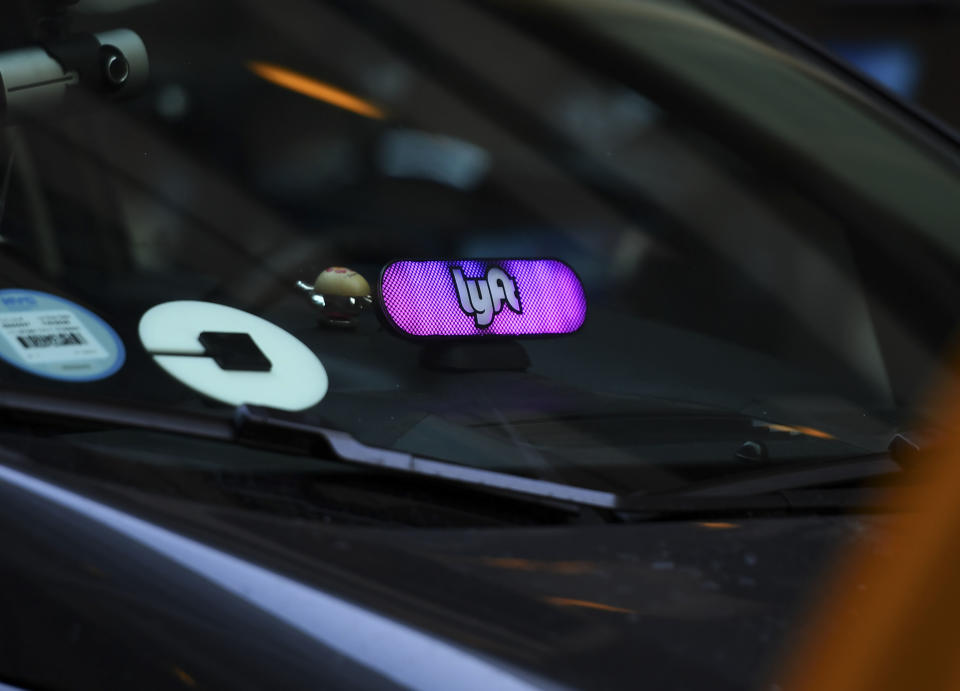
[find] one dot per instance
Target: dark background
(910, 46)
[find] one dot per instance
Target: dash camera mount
(39, 77)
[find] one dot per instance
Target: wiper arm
(259, 424)
(117, 414)
(262, 427)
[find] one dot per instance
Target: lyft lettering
(484, 297)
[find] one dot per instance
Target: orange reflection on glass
(717, 525)
(795, 429)
(314, 88)
(184, 677)
(811, 432)
(586, 604)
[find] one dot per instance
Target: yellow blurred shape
(314, 88)
(586, 604)
(717, 525)
(889, 618)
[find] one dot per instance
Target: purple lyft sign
(482, 297)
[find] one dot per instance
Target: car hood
(105, 588)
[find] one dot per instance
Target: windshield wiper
(262, 427)
(795, 477)
(797, 487)
(265, 428)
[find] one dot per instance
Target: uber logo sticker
(485, 297)
(232, 356)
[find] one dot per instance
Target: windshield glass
(768, 254)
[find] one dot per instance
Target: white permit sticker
(52, 337)
(49, 336)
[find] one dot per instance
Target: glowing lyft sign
(482, 297)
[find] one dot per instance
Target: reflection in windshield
(727, 207)
(314, 88)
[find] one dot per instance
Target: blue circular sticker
(55, 338)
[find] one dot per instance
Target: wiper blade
(795, 476)
(118, 414)
(779, 489)
(260, 424)
(262, 427)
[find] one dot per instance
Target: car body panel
(128, 589)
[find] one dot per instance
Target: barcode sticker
(48, 336)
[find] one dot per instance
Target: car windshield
(768, 252)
